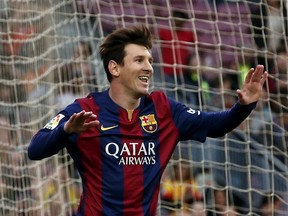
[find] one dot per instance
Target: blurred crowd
(38, 62)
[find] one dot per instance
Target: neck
(124, 100)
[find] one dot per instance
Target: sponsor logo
(149, 123)
(108, 128)
(53, 123)
(132, 153)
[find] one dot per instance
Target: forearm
(47, 143)
(226, 121)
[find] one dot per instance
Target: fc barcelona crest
(148, 123)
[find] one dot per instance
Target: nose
(148, 67)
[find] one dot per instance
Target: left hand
(253, 85)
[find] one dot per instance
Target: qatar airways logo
(132, 153)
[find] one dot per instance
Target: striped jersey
(121, 161)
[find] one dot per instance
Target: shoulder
(91, 101)
(85, 100)
(161, 102)
(158, 95)
(91, 97)
(160, 99)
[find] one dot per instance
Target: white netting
(49, 56)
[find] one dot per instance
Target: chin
(146, 91)
(143, 92)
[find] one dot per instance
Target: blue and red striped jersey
(121, 161)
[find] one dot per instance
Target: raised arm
(200, 125)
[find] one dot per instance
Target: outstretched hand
(253, 85)
(78, 122)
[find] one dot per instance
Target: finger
(73, 117)
(81, 116)
(263, 78)
(240, 95)
(82, 113)
(91, 124)
(249, 75)
(68, 126)
(258, 73)
(87, 115)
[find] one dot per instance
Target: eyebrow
(143, 56)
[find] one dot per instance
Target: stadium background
(42, 70)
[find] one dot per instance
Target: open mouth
(144, 78)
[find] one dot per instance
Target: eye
(139, 60)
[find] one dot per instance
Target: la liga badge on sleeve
(52, 124)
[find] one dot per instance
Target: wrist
(66, 128)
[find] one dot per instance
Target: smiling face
(133, 76)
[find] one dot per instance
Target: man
(121, 139)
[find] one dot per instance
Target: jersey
(121, 161)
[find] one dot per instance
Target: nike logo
(108, 128)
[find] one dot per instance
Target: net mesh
(49, 57)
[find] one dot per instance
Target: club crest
(149, 123)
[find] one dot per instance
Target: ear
(113, 68)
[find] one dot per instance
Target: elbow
(35, 149)
(34, 152)
(218, 135)
(43, 145)
(31, 154)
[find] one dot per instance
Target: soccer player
(121, 139)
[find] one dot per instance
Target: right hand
(77, 122)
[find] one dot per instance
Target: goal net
(202, 51)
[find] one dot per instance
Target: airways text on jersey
(132, 153)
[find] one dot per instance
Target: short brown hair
(113, 46)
